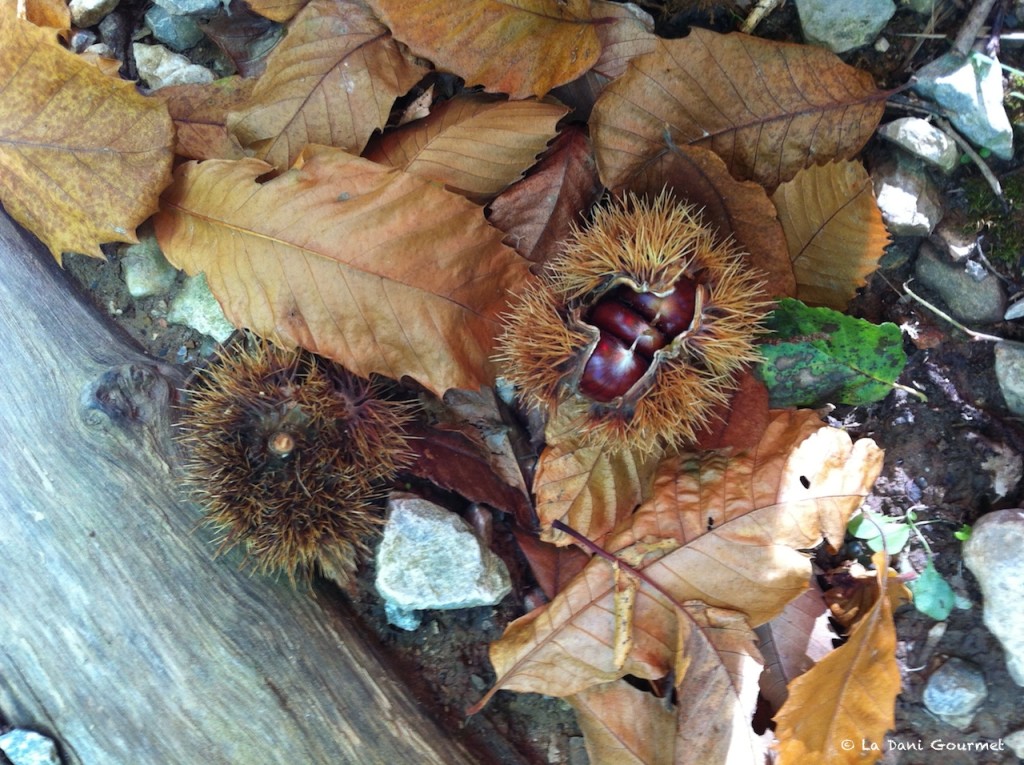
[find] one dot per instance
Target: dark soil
(935, 450)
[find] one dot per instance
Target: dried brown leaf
(590, 488)
(524, 48)
(626, 31)
(244, 37)
(377, 269)
(200, 112)
(740, 521)
(332, 81)
(43, 13)
(476, 146)
(83, 157)
(834, 230)
(623, 725)
(277, 10)
(537, 213)
(849, 696)
(767, 108)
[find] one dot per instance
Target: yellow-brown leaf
(523, 48)
(474, 146)
(740, 520)
(377, 269)
(767, 108)
(623, 725)
(847, 697)
(332, 81)
(83, 157)
(276, 10)
(834, 231)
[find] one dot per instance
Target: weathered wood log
(120, 635)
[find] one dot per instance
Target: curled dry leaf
(849, 695)
(83, 157)
(537, 213)
(377, 269)
(524, 48)
(200, 112)
(332, 81)
(738, 522)
(767, 108)
(626, 31)
(475, 146)
(834, 231)
(276, 10)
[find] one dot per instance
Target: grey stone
(925, 7)
(196, 307)
(191, 7)
(971, 91)
(924, 141)
(176, 32)
(843, 26)
(159, 67)
(145, 270)
(910, 202)
(1015, 741)
(26, 747)
(968, 299)
(993, 556)
(429, 558)
(1009, 369)
(954, 691)
(87, 13)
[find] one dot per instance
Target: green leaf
(963, 533)
(880, 534)
(817, 356)
(932, 594)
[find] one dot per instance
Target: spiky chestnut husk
(636, 330)
(288, 454)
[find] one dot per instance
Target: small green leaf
(932, 594)
(881, 534)
(963, 533)
(820, 356)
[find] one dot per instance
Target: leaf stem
(973, 334)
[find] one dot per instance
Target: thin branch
(973, 334)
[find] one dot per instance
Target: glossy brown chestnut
(633, 325)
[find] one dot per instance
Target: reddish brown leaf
(834, 230)
(767, 108)
(742, 421)
(476, 146)
(377, 269)
(83, 157)
(200, 112)
(458, 462)
(537, 212)
(553, 567)
(43, 13)
(332, 81)
(524, 48)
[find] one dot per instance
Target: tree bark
(121, 636)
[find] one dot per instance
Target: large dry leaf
(623, 725)
(83, 157)
(475, 146)
(847, 697)
(332, 81)
(200, 113)
(626, 31)
(767, 108)
(737, 523)
(590, 488)
(538, 212)
(523, 48)
(834, 230)
(375, 268)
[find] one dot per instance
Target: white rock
(971, 91)
(429, 558)
(843, 26)
(910, 202)
(159, 67)
(993, 554)
(923, 140)
(1015, 741)
(196, 307)
(954, 691)
(145, 269)
(26, 747)
(86, 13)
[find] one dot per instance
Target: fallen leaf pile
(334, 202)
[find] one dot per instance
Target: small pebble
(26, 747)
(87, 13)
(954, 691)
(159, 67)
(968, 299)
